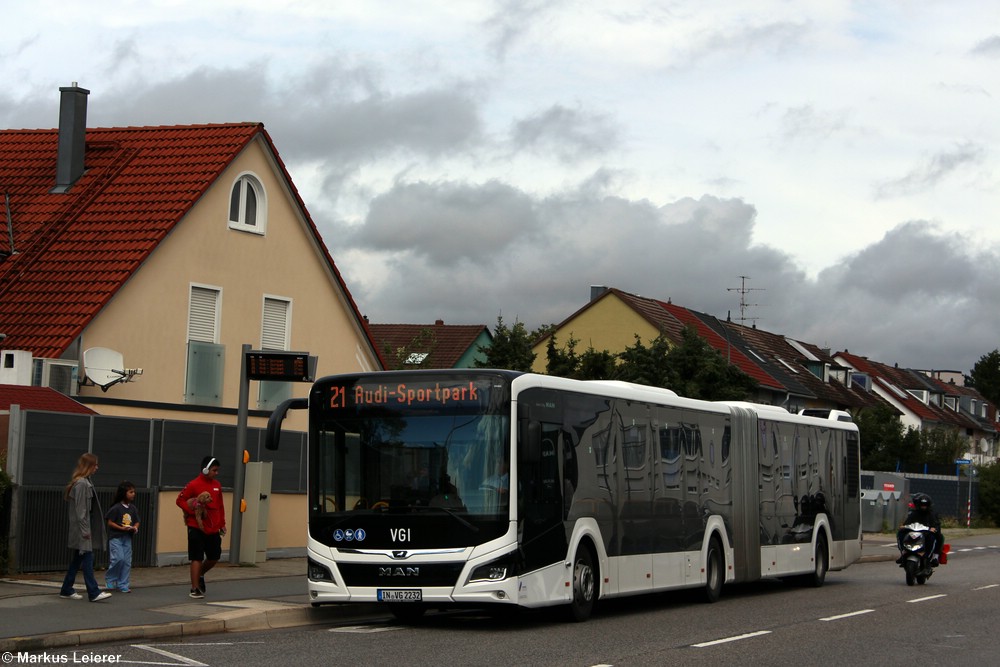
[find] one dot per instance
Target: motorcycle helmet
(922, 501)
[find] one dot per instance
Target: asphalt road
(863, 615)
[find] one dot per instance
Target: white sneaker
(101, 596)
(71, 596)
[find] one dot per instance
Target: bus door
(540, 503)
(668, 496)
(635, 496)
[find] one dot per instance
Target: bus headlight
(497, 570)
(319, 572)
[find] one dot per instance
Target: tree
(985, 376)
(562, 362)
(645, 365)
(692, 368)
(596, 365)
(591, 365)
(989, 491)
(881, 435)
(511, 348)
(697, 370)
(940, 447)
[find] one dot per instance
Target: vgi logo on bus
(399, 534)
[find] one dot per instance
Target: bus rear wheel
(714, 575)
(584, 584)
(821, 564)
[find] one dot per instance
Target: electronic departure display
(279, 366)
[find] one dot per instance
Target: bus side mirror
(272, 437)
(531, 445)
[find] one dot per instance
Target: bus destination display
(407, 395)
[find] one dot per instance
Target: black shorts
(202, 546)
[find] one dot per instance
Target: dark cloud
(569, 134)
(448, 224)
(917, 297)
(914, 298)
(333, 111)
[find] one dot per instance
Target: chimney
(596, 291)
(72, 136)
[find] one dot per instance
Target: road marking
(180, 659)
(365, 629)
(930, 597)
(749, 635)
(848, 615)
(983, 588)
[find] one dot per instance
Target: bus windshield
(428, 443)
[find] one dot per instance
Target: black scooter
(916, 544)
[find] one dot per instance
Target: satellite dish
(984, 445)
(106, 368)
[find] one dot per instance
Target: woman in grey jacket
(80, 495)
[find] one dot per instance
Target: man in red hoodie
(205, 541)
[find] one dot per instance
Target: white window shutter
(274, 335)
(203, 318)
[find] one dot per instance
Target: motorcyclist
(922, 511)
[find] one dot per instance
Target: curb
(235, 621)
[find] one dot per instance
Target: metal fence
(153, 454)
(955, 497)
(41, 547)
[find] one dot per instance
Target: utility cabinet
(257, 493)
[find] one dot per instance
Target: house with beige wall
(785, 371)
(173, 246)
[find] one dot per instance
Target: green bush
(989, 492)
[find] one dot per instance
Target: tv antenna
(744, 290)
(106, 367)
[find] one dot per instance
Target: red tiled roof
(75, 250)
(895, 380)
(719, 343)
(39, 398)
(653, 312)
(443, 343)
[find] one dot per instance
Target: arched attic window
(248, 205)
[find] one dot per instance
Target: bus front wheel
(584, 584)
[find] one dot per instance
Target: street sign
(963, 462)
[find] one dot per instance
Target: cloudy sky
(472, 159)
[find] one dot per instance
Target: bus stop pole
(239, 479)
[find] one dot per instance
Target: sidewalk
(239, 598)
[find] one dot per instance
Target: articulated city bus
(479, 487)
